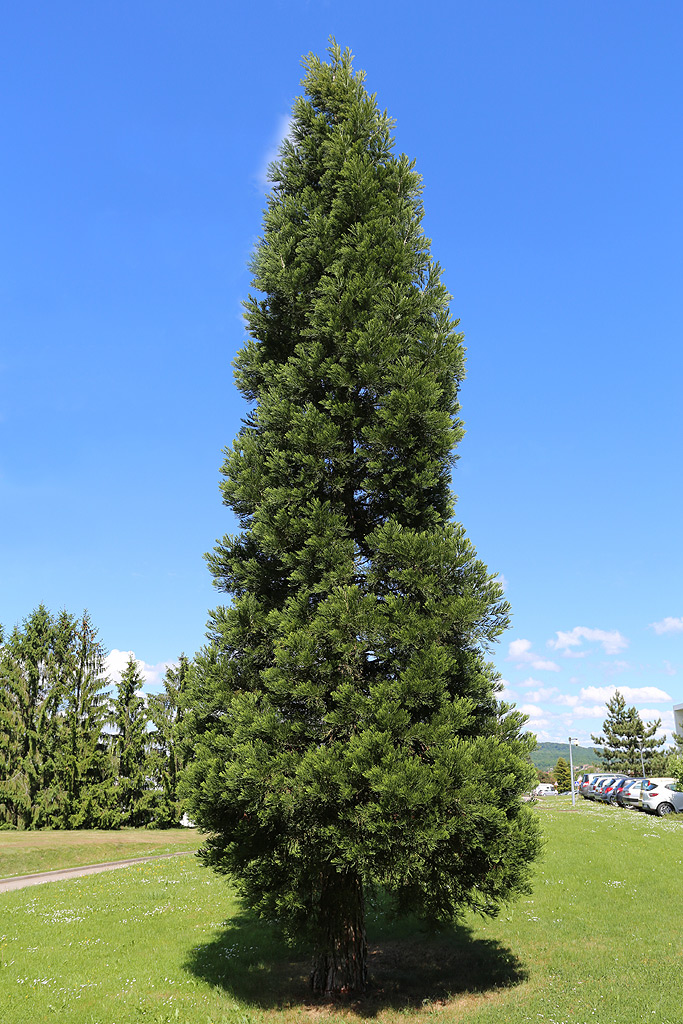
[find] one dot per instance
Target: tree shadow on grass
(251, 961)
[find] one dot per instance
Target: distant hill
(546, 754)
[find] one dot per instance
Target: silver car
(630, 793)
(596, 781)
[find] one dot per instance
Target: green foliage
(131, 742)
(55, 768)
(344, 721)
(52, 709)
(545, 755)
(59, 766)
(628, 745)
(675, 767)
(83, 763)
(563, 776)
(166, 711)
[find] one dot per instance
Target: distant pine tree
(166, 712)
(29, 723)
(83, 765)
(563, 778)
(628, 745)
(131, 743)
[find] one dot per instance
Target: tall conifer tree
(344, 719)
(166, 711)
(131, 742)
(29, 723)
(82, 761)
(562, 773)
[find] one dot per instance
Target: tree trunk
(340, 965)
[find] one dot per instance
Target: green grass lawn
(23, 853)
(599, 940)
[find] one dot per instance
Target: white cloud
(612, 641)
(651, 714)
(548, 727)
(567, 700)
(667, 625)
(520, 652)
(532, 710)
(115, 663)
(589, 711)
(634, 694)
(669, 669)
(284, 126)
(503, 582)
(543, 734)
(117, 660)
(542, 693)
(553, 726)
(539, 722)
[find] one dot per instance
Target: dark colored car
(608, 792)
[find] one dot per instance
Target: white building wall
(678, 719)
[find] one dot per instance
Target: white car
(661, 796)
(545, 789)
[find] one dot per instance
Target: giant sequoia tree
(344, 720)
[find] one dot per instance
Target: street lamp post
(572, 739)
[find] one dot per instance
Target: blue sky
(136, 136)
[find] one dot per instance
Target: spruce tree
(346, 732)
(82, 761)
(131, 742)
(29, 723)
(166, 711)
(15, 796)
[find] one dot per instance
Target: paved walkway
(21, 881)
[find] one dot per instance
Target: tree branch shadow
(251, 961)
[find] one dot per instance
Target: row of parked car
(657, 796)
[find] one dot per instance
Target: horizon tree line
(75, 753)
